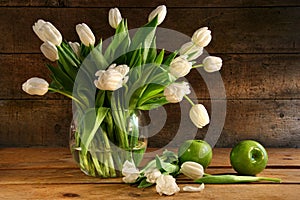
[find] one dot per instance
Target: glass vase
(121, 136)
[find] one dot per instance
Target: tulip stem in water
(189, 100)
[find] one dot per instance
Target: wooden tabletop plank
(123, 191)
(27, 158)
(71, 176)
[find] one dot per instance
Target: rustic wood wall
(259, 41)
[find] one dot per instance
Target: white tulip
(202, 37)
(191, 50)
(123, 69)
(152, 175)
(47, 32)
(180, 67)
(212, 63)
(114, 17)
(199, 115)
(166, 184)
(175, 92)
(192, 170)
(113, 78)
(193, 189)
(35, 86)
(75, 46)
(130, 172)
(85, 34)
(161, 11)
(50, 51)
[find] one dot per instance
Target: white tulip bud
(35, 86)
(166, 184)
(175, 92)
(161, 11)
(130, 172)
(212, 63)
(114, 17)
(192, 170)
(199, 115)
(191, 50)
(47, 32)
(50, 51)
(152, 175)
(113, 78)
(85, 34)
(180, 67)
(75, 46)
(202, 37)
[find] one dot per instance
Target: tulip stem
(65, 94)
(197, 66)
(189, 100)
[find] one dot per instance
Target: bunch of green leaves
(167, 163)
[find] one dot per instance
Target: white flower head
(191, 50)
(152, 175)
(192, 170)
(85, 34)
(50, 51)
(166, 184)
(199, 115)
(114, 17)
(113, 78)
(161, 11)
(202, 37)
(75, 46)
(175, 92)
(130, 172)
(47, 32)
(35, 86)
(123, 69)
(212, 64)
(180, 66)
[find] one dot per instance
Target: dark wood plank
(207, 3)
(252, 76)
(253, 30)
(60, 158)
(245, 76)
(106, 191)
(147, 3)
(275, 123)
(37, 123)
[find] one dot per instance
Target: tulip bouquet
(110, 84)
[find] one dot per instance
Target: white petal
(193, 189)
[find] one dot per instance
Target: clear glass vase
(121, 136)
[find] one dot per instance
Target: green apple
(195, 150)
(248, 157)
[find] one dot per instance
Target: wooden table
(50, 173)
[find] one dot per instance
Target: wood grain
(105, 191)
(35, 123)
(148, 3)
(65, 176)
(258, 41)
(46, 123)
(241, 35)
(60, 158)
(267, 76)
(49, 173)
